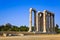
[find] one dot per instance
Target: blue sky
(16, 12)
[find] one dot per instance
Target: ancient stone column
(39, 14)
(34, 20)
(44, 21)
(52, 28)
(41, 22)
(53, 24)
(49, 22)
(37, 23)
(30, 20)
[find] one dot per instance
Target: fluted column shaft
(50, 23)
(34, 20)
(53, 24)
(44, 21)
(37, 23)
(30, 21)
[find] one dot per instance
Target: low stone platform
(44, 32)
(11, 33)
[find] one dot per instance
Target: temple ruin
(43, 21)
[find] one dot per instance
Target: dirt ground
(33, 37)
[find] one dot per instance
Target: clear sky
(16, 12)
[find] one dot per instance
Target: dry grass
(33, 37)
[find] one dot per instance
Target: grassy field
(33, 37)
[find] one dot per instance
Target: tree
(32, 28)
(56, 28)
(4, 28)
(15, 28)
(9, 27)
(24, 28)
(1, 27)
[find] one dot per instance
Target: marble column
(37, 23)
(53, 24)
(41, 22)
(49, 22)
(34, 20)
(44, 21)
(30, 20)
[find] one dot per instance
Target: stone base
(4, 34)
(29, 31)
(21, 34)
(44, 32)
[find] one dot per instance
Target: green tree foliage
(57, 30)
(32, 28)
(9, 27)
(14, 28)
(24, 28)
(6, 27)
(2, 28)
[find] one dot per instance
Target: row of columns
(41, 23)
(48, 21)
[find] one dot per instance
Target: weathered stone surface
(43, 21)
(21, 34)
(4, 34)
